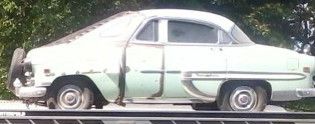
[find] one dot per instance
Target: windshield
(240, 36)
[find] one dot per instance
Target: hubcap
(70, 98)
(243, 98)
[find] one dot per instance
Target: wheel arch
(85, 79)
(263, 83)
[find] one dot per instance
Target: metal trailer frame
(152, 117)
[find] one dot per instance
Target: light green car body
(109, 54)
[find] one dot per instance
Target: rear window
(240, 36)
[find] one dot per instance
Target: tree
(302, 28)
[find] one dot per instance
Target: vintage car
(161, 56)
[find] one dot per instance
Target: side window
(187, 32)
(149, 32)
(224, 38)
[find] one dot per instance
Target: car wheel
(71, 96)
(243, 98)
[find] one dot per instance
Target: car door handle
(220, 49)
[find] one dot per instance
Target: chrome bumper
(27, 92)
(305, 92)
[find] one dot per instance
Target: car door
(144, 62)
(192, 51)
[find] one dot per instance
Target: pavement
(13, 105)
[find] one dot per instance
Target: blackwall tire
(225, 103)
(99, 101)
(83, 97)
(16, 68)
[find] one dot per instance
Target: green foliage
(180, 4)
(263, 21)
(306, 105)
(266, 22)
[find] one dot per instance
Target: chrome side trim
(232, 75)
(90, 72)
(163, 100)
(239, 75)
(160, 71)
(152, 71)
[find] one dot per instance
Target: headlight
(307, 49)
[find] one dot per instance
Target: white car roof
(211, 18)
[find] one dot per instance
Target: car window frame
(202, 23)
(134, 39)
(221, 33)
(155, 24)
(163, 33)
(194, 22)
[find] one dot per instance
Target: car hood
(74, 53)
(45, 54)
